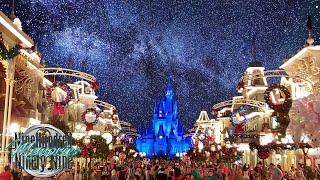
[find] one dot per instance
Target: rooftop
(7, 27)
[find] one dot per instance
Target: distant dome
(255, 64)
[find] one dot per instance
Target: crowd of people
(177, 170)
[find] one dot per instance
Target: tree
(57, 122)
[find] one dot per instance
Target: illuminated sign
(42, 150)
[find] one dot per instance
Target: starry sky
(133, 46)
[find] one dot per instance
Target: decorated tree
(96, 147)
(6, 54)
(57, 122)
(305, 117)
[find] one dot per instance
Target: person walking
(162, 174)
(177, 174)
(276, 173)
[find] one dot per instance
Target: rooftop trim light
(299, 54)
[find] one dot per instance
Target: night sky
(133, 46)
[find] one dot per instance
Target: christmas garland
(8, 55)
(83, 116)
(90, 124)
(58, 107)
(64, 87)
(264, 151)
(280, 110)
(231, 159)
(97, 148)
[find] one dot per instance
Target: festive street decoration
(90, 118)
(8, 54)
(59, 100)
(281, 110)
(95, 148)
(282, 107)
(240, 85)
(94, 85)
(264, 150)
(230, 155)
(57, 122)
(263, 153)
(53, 95)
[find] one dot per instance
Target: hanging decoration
(59, 100)
(218, 153)
(282, 107)
(58, 122)
(8, 54)
(230, 155)
(57, 109)
(114, 114)
(96, 148)
(228, 152)
(240, 85)
(263, 153)
(90, 117)
(280, 110)
(94, 85)
(239, 128)
(264, 150)
(214, 112)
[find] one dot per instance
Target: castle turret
(169, 96)
(165, 136)
(161, 133)
(172, 135)
(180, 130)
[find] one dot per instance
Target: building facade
(165, 136)
(21, 81)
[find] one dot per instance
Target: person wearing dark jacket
(162, 175)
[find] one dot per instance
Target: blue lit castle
(165, 136)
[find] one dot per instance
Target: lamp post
(305, 148)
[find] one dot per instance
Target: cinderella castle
(165, 137)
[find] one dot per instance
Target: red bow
(89, 126)
(94, 85)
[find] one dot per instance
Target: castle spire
(169, 86)
(12, 16)
(172, 135)
(253, 48)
